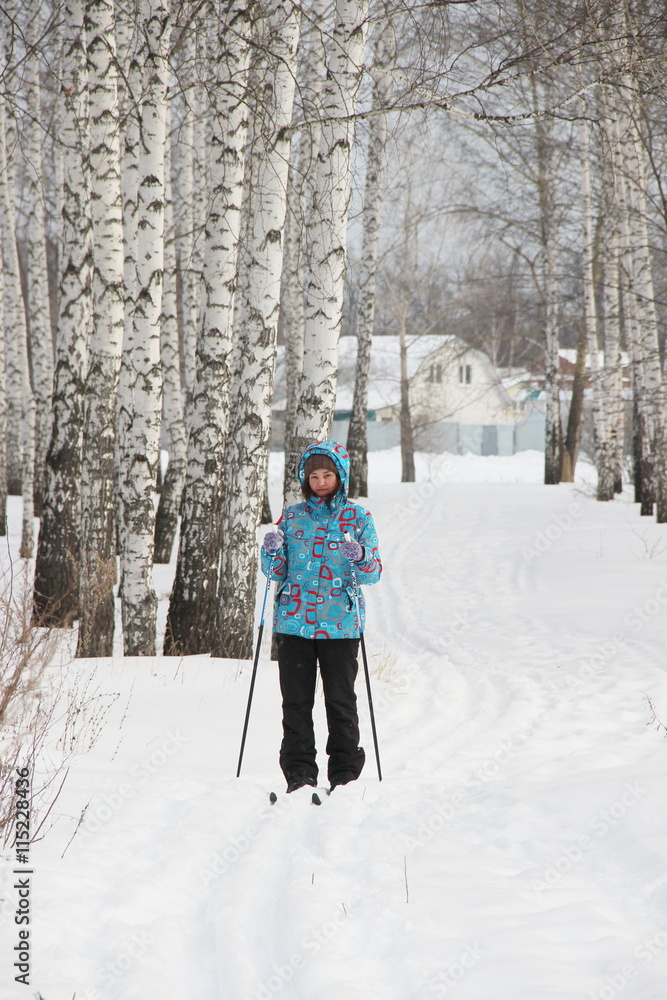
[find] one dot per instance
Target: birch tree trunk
(248, 443)
(186, 223)
(29, 413)
(639, 305)
(14, 329)
(14, 318)
(304, 151)
(201, 207)
(40, 339)
(384, 59)
(607, 389)
(191, 620)
(327, 228)
(57, 563)
(605, 488)
(638, 292)
(98, 535)
(140, 450)
(553, 450)
(653, 443)
(575, 413)
(4, 325)
(130, 94)
(405, 415)
(166, 522)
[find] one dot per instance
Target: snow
(517, 846)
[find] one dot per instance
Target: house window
(465, 374)
(435, 373)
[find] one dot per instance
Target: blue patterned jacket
(315, 594)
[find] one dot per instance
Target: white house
(457, 398)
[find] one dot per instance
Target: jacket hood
(335, 452)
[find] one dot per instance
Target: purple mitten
(352, 551)
(273, 540)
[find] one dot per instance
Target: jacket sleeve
(369, 569)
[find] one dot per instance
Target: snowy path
(515, 850)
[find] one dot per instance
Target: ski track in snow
(516, 847)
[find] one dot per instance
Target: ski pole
(254, 668)
(348, 538)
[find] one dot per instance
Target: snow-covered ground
(517, 846)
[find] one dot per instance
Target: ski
(315, 797)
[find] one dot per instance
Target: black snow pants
(297, 660)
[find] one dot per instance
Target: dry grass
(47, 716)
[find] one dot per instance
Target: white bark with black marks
(15, 319)
(305, 145)
(140, 447)
(546, 190)
(166, 521)
(384, 59)
(98, 534)
(327, 225)
(192, 613)
(130, 90)
(13, 328)
(248, 442)
(40, 339)
(57, 564)
(3, 326)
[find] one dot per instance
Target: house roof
(384, 378)
(385, 369)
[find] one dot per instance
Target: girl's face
(322, 482)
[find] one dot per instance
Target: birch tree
(605, 487)
(248, 442)
(327, 228)
(637, 268)
(56, 568)
(306, 115)
(21, 394)
(546, 187)
(173, 419)
(184, 163)
(40, 339)
(3, 323)
(15, 321)
(130, 91)
(384, 58)
(140, 447)
(98, 535)
(14, 328)
(192, 614)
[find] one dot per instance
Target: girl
(315, 614)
